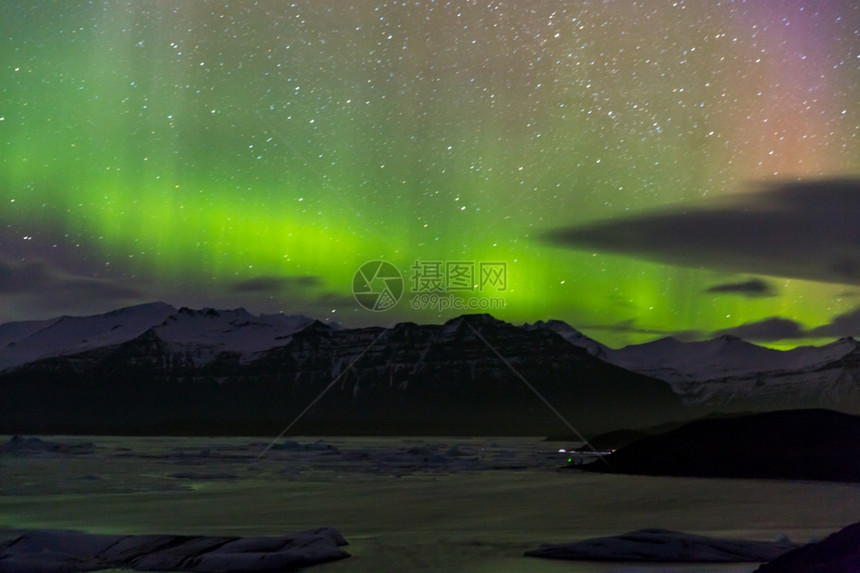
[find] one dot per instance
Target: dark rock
(789, 444)
(838, 553)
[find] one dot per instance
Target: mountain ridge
(202, 371)
(469, 369)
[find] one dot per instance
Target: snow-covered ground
(403, 504)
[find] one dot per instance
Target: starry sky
(640, 169)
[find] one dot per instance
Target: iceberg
(62, 551)
(660, 545)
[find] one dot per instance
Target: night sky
(641, 169)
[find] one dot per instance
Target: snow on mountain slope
(674, 360)
(208, 370)
(204, 333)
(725, 373)
(208, 332)
(573, 336)
(23, 342)
(723, 357)
(810, 356)
(729, 374)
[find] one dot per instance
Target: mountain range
(730, 375)
(156, 369)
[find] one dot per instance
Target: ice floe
(33, 445)
(60, 551)
(660, 545)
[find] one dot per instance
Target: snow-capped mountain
(676, 361)
(230, 371)
(726, 356)
(203, 332)
(728, 374)
(573, 336)
(154, 368)
(23, 342)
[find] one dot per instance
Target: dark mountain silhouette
(787, 444)
(838, 553)
(463, 377)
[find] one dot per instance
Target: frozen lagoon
(404, 504)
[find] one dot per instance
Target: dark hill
(466, 377)
(838, 553)
(788, 444)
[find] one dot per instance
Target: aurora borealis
(257, 153)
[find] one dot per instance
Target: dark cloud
(34, 288)
(275, 283)
(770, 329)
(630, 327)
(23, 277)
(775, 328)
(807, 230)
(847, 324)
(688, 335)
(37, 279)
(767, 330)
(750, 288)
(333, 299)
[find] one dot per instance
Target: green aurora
(257, 153)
